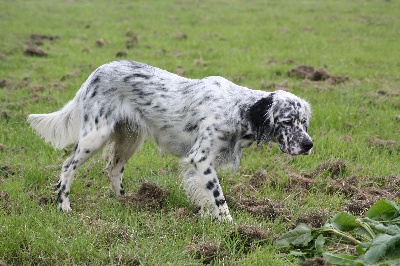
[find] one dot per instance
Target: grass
(250, 44)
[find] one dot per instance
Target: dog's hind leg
(126, 140)
(87, 146)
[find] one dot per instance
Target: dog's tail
(60, 128)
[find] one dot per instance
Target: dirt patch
(314, 219)
(342, 187)
(6, 170)
(275, 86)
(387, 144)
(296, 181)
(33, 50)
(249, 236)
(3, 147)
(181, 36)
(316, 262)
(182, 213)
(315, 74)
(132, 42)
(121, 54)
(391, 93)
(259, 179)
(4, 83)
(204, 251)
(180, 72)
(39, 39)
(149, 195)
(5, 202)
(264, 208)
(333, 169)
(365, 198)
(36, 88)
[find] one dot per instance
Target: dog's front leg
(202, 185)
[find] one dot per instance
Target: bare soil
(249, 235)
(204, 251)
(33, 50)
(264, 208)
(315, 74)
(149, 195)
(316, 262)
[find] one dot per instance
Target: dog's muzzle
(306, 146)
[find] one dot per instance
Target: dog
(206, 122)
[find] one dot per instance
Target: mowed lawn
(48, 49)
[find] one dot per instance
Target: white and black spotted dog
(206, 122)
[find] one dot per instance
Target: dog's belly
(176, 143)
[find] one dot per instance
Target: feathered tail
(60, 128)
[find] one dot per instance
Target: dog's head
(283, 118)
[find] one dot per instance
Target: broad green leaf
(339, 259)
(382, 246)
(319, 243)
(298, 237)
(383, 209)
(362, 248)
(344, 221)
(390, 229)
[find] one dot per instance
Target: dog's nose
(306, 144)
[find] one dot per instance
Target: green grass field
(355, 126)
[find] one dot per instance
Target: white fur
(206, 122)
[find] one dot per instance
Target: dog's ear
(260, 115)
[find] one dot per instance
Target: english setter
(206, 122)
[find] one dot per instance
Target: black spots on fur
(216, 193)
(95, 81)
(63, 187)
(191, 127)
(135, 76)
(96, 120)
(207, 171)
(87, 151)
(164, 127)
(101, 112)
(85, 117)
(93, 94)
(122, 192)
(217, 83)
(219, 202)
(59, 198)
(110, 91)
(58, 185)
(122, 169)
(74, 167)
(202, 159)
(210, 185)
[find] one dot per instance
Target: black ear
(260, 119)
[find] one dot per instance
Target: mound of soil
(149, 195)
(314, 219)
(39, 39)
(316, 262)
(204, 251)
(33, 50)
(334, 169)
(315, 74)
(265, 208)
(6, 170)
(388, 144)
(249, 235)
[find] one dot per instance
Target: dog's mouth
(306, 152)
